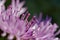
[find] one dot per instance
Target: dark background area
(47, 7)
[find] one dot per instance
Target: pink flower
(18, 26)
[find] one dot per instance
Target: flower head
(14, 21)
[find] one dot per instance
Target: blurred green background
(47, 7)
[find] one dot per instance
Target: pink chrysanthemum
(20, 27)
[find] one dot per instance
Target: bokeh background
(47, 7)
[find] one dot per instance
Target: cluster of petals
(14, 21)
